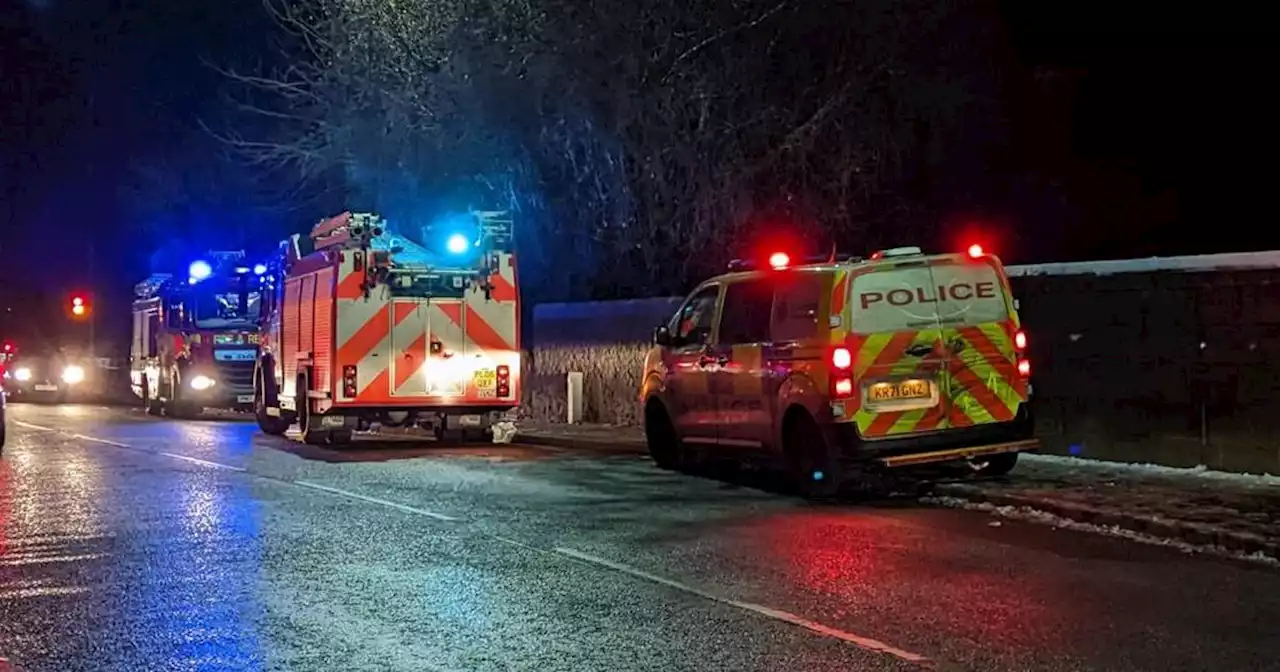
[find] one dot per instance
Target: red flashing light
(77, 301)
(975, 251)
(1024, 368)
(1020, 340)
(779, 260)
(842, 388)
(842, 359)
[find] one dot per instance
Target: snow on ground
(1028, 514)
(1147, 469)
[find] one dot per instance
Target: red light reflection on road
(883, 566)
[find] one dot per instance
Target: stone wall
(1174, 368)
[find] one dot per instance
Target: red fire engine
(363, 327)
(195, 338)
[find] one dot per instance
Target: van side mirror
(662, 336)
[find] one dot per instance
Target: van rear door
(900, 368)
(978, 324)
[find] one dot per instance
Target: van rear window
(918, 297)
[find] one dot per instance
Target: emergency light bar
(751, 264)
(909, 251)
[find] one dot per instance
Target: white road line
(776, 614)
(31, 426)
(374, 500)
(95, 439)
(207, 463)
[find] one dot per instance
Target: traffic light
(79, 306)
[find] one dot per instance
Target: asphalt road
(129, 543)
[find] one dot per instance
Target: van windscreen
(923, 296)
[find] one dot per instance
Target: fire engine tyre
(150, 404)
(264, 389)
(999, 465)
(814, 471)
(307, 421)
(664, 442)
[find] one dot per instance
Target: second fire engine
(364, 327)
(195, 339)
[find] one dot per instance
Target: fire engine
(364, 327)
(195, 336)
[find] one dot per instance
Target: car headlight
(201, 382)
(72, 375)
(22, 374)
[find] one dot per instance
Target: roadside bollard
(575, 397)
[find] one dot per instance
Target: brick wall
(1166, 367)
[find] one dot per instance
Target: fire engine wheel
(273, 425)
(814, 469)
(150, 404)
(307, 421)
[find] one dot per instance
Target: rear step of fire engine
(958, 453)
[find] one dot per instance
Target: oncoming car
(45, 376)
(845, 368)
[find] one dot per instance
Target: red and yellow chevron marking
(839, 294)
(978, 385)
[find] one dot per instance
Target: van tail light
(504, 380)
(841, 387)
(1020, 340)
(842, 359)
(1024, 368)
(349, 381)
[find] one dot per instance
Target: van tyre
(814, 471)
(999, 465)
(665, 446)
(264, 394)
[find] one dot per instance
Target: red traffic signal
(79, 306)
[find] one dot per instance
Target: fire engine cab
(195, 338)
(365, 327)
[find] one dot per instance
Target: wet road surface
(130, 543)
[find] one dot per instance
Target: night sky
(1132, 133)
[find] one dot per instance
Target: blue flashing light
(199, 270)
(457, 244)
(260, 269)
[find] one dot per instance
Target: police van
(844, 367)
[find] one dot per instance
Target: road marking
(867, 643)
(776, 614)
(109, 442)
(207, 463)
(374, 500)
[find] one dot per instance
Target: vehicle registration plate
(469, 420)
(244, 398)
(486, 382)
(46, 388)
(913, 388)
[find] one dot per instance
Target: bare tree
(638, 141)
